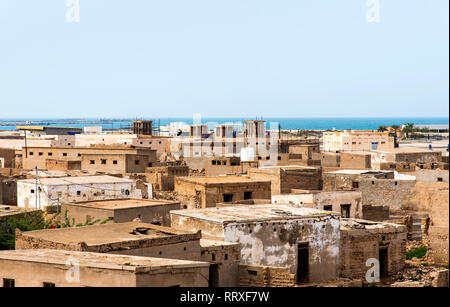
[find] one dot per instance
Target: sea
(286, 123)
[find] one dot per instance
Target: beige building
(360, 140)
(132, 238)
(153, 142)
(217, 166)
(348, 203)
(57, 268)
(378, 188)
(18, 142)
(285, 178)
(111, 159)
(139, 239)
(122, 210)
(303, 240)
(362, 241)
(208, 191)
(162, 178)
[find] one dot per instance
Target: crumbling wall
(386, 192)
(375, 213)
(163, 178)
(283, 180)
(226, 256)
(339, 182)
(24, 241)
(359, 245)
(275, 243)
(399, 166)
(435, 175)
(422, 157)
(432, 198)
(8, 156)
(265, 276)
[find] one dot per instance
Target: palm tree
(395, 127)
(382, 128)
(408, 128)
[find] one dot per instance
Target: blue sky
(173, 58)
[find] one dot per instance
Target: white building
(74, 189)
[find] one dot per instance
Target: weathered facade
(162, 178)
(133, 238)
(304, 240)
(378, 188)
(122, 210)
(348, 203)
(7, 157)
(55, 268)
(362, 242)
(112, 159)
(224, 258)
(208, 191)
(227, 166)
(285, 178)
(139, 239)
(144, 127)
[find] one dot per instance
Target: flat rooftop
(112, 233)
(406, 150)
(253, 213)
(358, 152)
(42, 128)
(79, 180)
(220, 179)
(358, 172)
(286, 167)
(97, 260)
(115, 204)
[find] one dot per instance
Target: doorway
(213, 276)
(227, 198)
(345, 211)
(303, 263)
(383, 259)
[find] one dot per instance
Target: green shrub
(37, 222)
(418, 253)
(24, 223)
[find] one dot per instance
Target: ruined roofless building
(143, 127)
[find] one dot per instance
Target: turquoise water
(285, 123)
